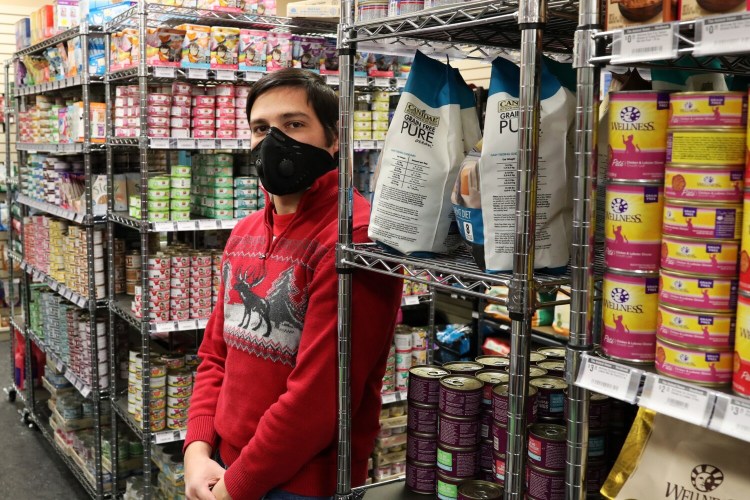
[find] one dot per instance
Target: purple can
(485, 423)
(499, 438)
(458, 463)
(421, 477)
(498, 468)
(447, 487)
(487, 475)
(500, 404)
(596, 475)
(490, 378)
(597, 446)
(463, 367)
(424, 384)
(550, 398)
(421, 447)
(599, 411)
(554, 368)
(462, 432)
(422, 418)
(547, 446)
(460, 395)
(479, 490)
(485, 454)
(543, 484)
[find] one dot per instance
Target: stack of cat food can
(179, 286)
(215, 277)
(702, 223)
(492, 373)
(179, 391)
(157, 384)
(201, 288)
(132, 271)
(402, 340)
(159, 271)
(741, 377)
(633, 209)
(119, 270)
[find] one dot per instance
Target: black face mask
(286, 166)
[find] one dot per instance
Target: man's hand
(220, 491)
(201, 473)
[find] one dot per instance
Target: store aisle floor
(30, 468)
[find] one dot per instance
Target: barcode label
(677, 399)
(646, 50)
(607, 377)
(732, 416)
(722, 35)
(645, 43)
(677, 403)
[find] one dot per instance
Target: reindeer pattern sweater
(266, 387)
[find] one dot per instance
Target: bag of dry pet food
(423, 150)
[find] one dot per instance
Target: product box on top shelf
(695, 9)
(631, 13)
(196, 46)
(164, 46)
(42, 23)
(23, 33)
(265, 7)
(329, 58)
(322, 9)
(66, 14)
(100, 13)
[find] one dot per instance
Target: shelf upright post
(347, 49)
(532, 15)
(431, 332)
(112, 334)
(9, 199)
(582, 251)
(145, 331)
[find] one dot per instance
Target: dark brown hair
(321, 97)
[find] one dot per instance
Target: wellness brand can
(706, 147)
(421, 477)
(708, 257)
(701, 329)
(630, 307)
(745, 249)
(700, 220)
(699, 365)
(459, 463)
(637, 135)
(460, 395)
(461, 432)
(741, 377)
(550, 399)
(697, 292)
(709, 184)
(554, 368)
(479, 490)
(447, 486)
(633, 213)
(547, 446)
(707, 109)
(424, 384)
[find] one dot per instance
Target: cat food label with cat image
(697, 220)
(706, 146)
(697, 292)
(637, 135)
(715, 330)
(712, 257)
(703, 366)
(708, 109)
(710, 184)
(745, 249)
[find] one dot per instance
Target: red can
(543, 484)
(550, 398)
(490, 378)
(499, 438)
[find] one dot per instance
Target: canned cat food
(554, 368)
(424, 384)
(637, 135)
(176, 423)
(500, 405)
(184, 391)
(421, 477)
(699, 220)
(553, 353)
(460, 395)
(177, 412)
(536, 357)
(447, 487)
(463, 367)
(699, 365)
(544, 484)
(458, 463)
(712, 257)
(703, 329)
(708, 184)
(547, 446)
(496, 362)
(422, 418)
(485, 454)
(491, 378)
(629, 309)
(631, 226)
(421, 447)
(550, 399)
(597, 445)
(499, 437)
(707, 109)
(485, 422)
(180, 378)
(537, 372)
(479, 490)
(695, 292)
(596, 475)
(706, 147)
(744, 264)
(498, 468)
(741, 370)
(461, 432)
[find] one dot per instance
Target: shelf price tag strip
(677, 400)
(722, 35)
(606, 377)
(645, 43)
(731, 416)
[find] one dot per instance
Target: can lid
(428, 371)
(689, 166)
(707, 93)
(480, 490)
(692, 347)
(635, 182)
(466, 449)
(548, 383)
(493, 376)
(598, 397)
(679, 274)
(744, 294)
(543, 471)
(537, 372)
(494, 361)
(701, 241)
(703, 204)
(424, 465)
(463, 366)
(465, 383)
(611, 271)
(555, 366)
(553, 432)
(553, 352)
(503, 389)
(536, 357)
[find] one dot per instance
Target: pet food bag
(253, 50)
(196, 47)
(306, 51)
(279, 49)
(421, 156)
(164, 46)
(224, 47)
(497, 172)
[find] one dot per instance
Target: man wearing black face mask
(264, 401)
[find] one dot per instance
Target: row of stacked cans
(458, 419)
(673, 222)
(409, 348)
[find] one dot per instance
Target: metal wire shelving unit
(94, 482)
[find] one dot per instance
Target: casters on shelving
(26, 417)
(11, 395)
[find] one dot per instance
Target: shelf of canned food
(122, 306)
(74, 297)
(455, 273)
(158, 437)
(72, 81)
(52, 209)
(72, 148)
(171, 226)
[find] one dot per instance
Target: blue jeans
(285, 495)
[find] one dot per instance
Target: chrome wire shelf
(58, 211)
(120, 305)
(73, 81)
(59, 38)
(126, 220)
(74, 297)
(165, 436)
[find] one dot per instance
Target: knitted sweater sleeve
(302, 423)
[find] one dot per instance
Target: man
(264, 401)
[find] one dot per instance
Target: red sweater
(266, 387)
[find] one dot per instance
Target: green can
(180, 194)
(180, 171)
(158, 182)
(158, 194)
(158, 216)
(180, 215)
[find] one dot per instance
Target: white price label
(59, 366)
(186, 225)
(607, 377)
(332, 79)
(202, 323)
(85, 391)
(229, 143)
(206, 144)
(389, 398)
(164, 226)
(381, 82)
(197, 74)
(78, 218)
(206, 224)
(253, 76)
(364, 145)
(54, 286)
(361, 81)
(163, 437)
(185, 143)
(188, 324)
(68, 293)
(732, 417)
(163, 72)
(229, 224)
(37, 275)
(226, 74)
(646, 43)
(81, 301)
(722, 35)
(677, 399)
(411, 300)
(400, 82)
(162, 143)
(164, 326)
